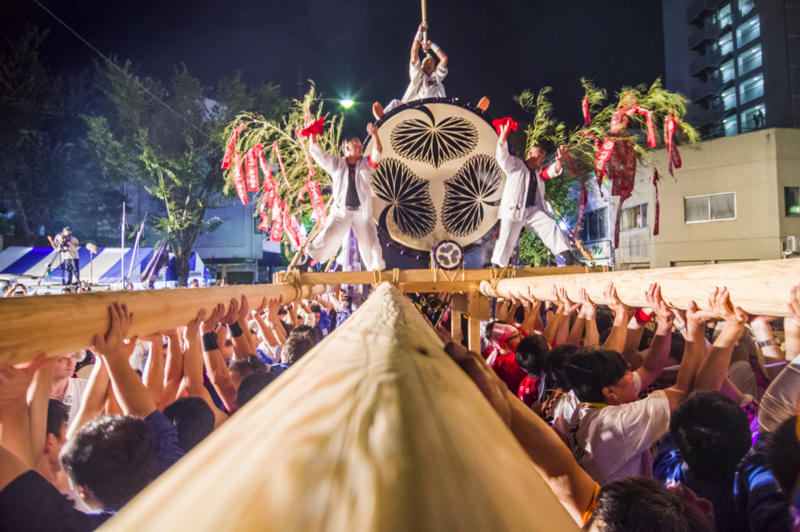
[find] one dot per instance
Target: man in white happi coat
(426, 76)
(522, 204)
(352, 200)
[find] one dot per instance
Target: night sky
(360, 49)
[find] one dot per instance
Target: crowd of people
(638, 419)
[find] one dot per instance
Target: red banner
(280, 162)
(603, 156)
(238, 178)
(251, 171)
(226, 159)
(277, 220)
(317, 203)
(314, 128)
(651, 129)
(658, 207)
(311, 171)
(670, 125)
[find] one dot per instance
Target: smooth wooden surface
(61, 324)
(459, 306)
(474, 320)
(760, 287)
(375, 429)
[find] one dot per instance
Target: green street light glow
(347, 103)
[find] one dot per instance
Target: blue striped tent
(105, 267)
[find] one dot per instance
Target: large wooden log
(62, 324)
(760, 287)
(374, 429)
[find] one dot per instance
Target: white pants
(327, 242)
(537, 220)
(391, 105)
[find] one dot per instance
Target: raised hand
(110, 344)
(720, 304)
(588, 309)
(612, 300)
(372, 129)
(794, 304)
(216, 316)
(233, 313)
(194, 326)
(261, 308)
(568, 306)
(244, 309)
(561, 154)
(657, 304)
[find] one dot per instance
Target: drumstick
(424, 19)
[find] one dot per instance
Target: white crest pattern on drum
(438, 179)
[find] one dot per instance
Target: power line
(112, 63)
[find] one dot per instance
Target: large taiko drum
(439, 178)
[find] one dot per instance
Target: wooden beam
(478, 310)
(61, 324)
(760, 287)
(458, 306)
(376, 428)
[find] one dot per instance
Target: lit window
(729, 98)
(731, 126)
(709, 208)
(595, 225)
(791, 197)
(750, 60)
(634, 217)
(726, 44)
(724, 16)
(748, 31)
(746, 7)
(751, 89)
(754, 118)
(728, 72)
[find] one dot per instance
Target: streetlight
(346, 103)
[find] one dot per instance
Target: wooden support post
(478, 310)
(459, 306)
(62, 324)
(759, 287)
(378, 430)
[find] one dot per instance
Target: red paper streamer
(251, 171)
(264, 224)
(277, 220)
(311, 170)
(238, 178)
(500, 122)
(603, 157)
(583, 201)
(292, 228)
(587, 119)
(226, 159)
(670, 125)
(280, 162)
(658, 207)
(317, 203)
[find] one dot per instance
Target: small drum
(439, 179)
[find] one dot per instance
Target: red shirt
(527, 390)
(507, 369)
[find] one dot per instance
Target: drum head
(438, 179)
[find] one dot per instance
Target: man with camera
(67, 245)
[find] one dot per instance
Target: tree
(44, 178)
(175, 147)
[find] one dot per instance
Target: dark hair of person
(435, 302)
(296, 346)
(519, 314)
(712, 434)
(604, 318)
(783, 456)
(591, 369)
(57, 416)
(306, 330)
(114, 457)
(282, 311)
(677, 347)
(193, 419)
(252, 385)
(248, 365)
(554, 370)
(315, 308)
(347, 140)
(638, 504)
(531, 354)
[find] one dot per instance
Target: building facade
(734, 199)
(738, 62)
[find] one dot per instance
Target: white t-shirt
(563, 411)
(71, 251)
(424, 86)
(614, 442)
(72, 397)
(742, 376)
(780, 401)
